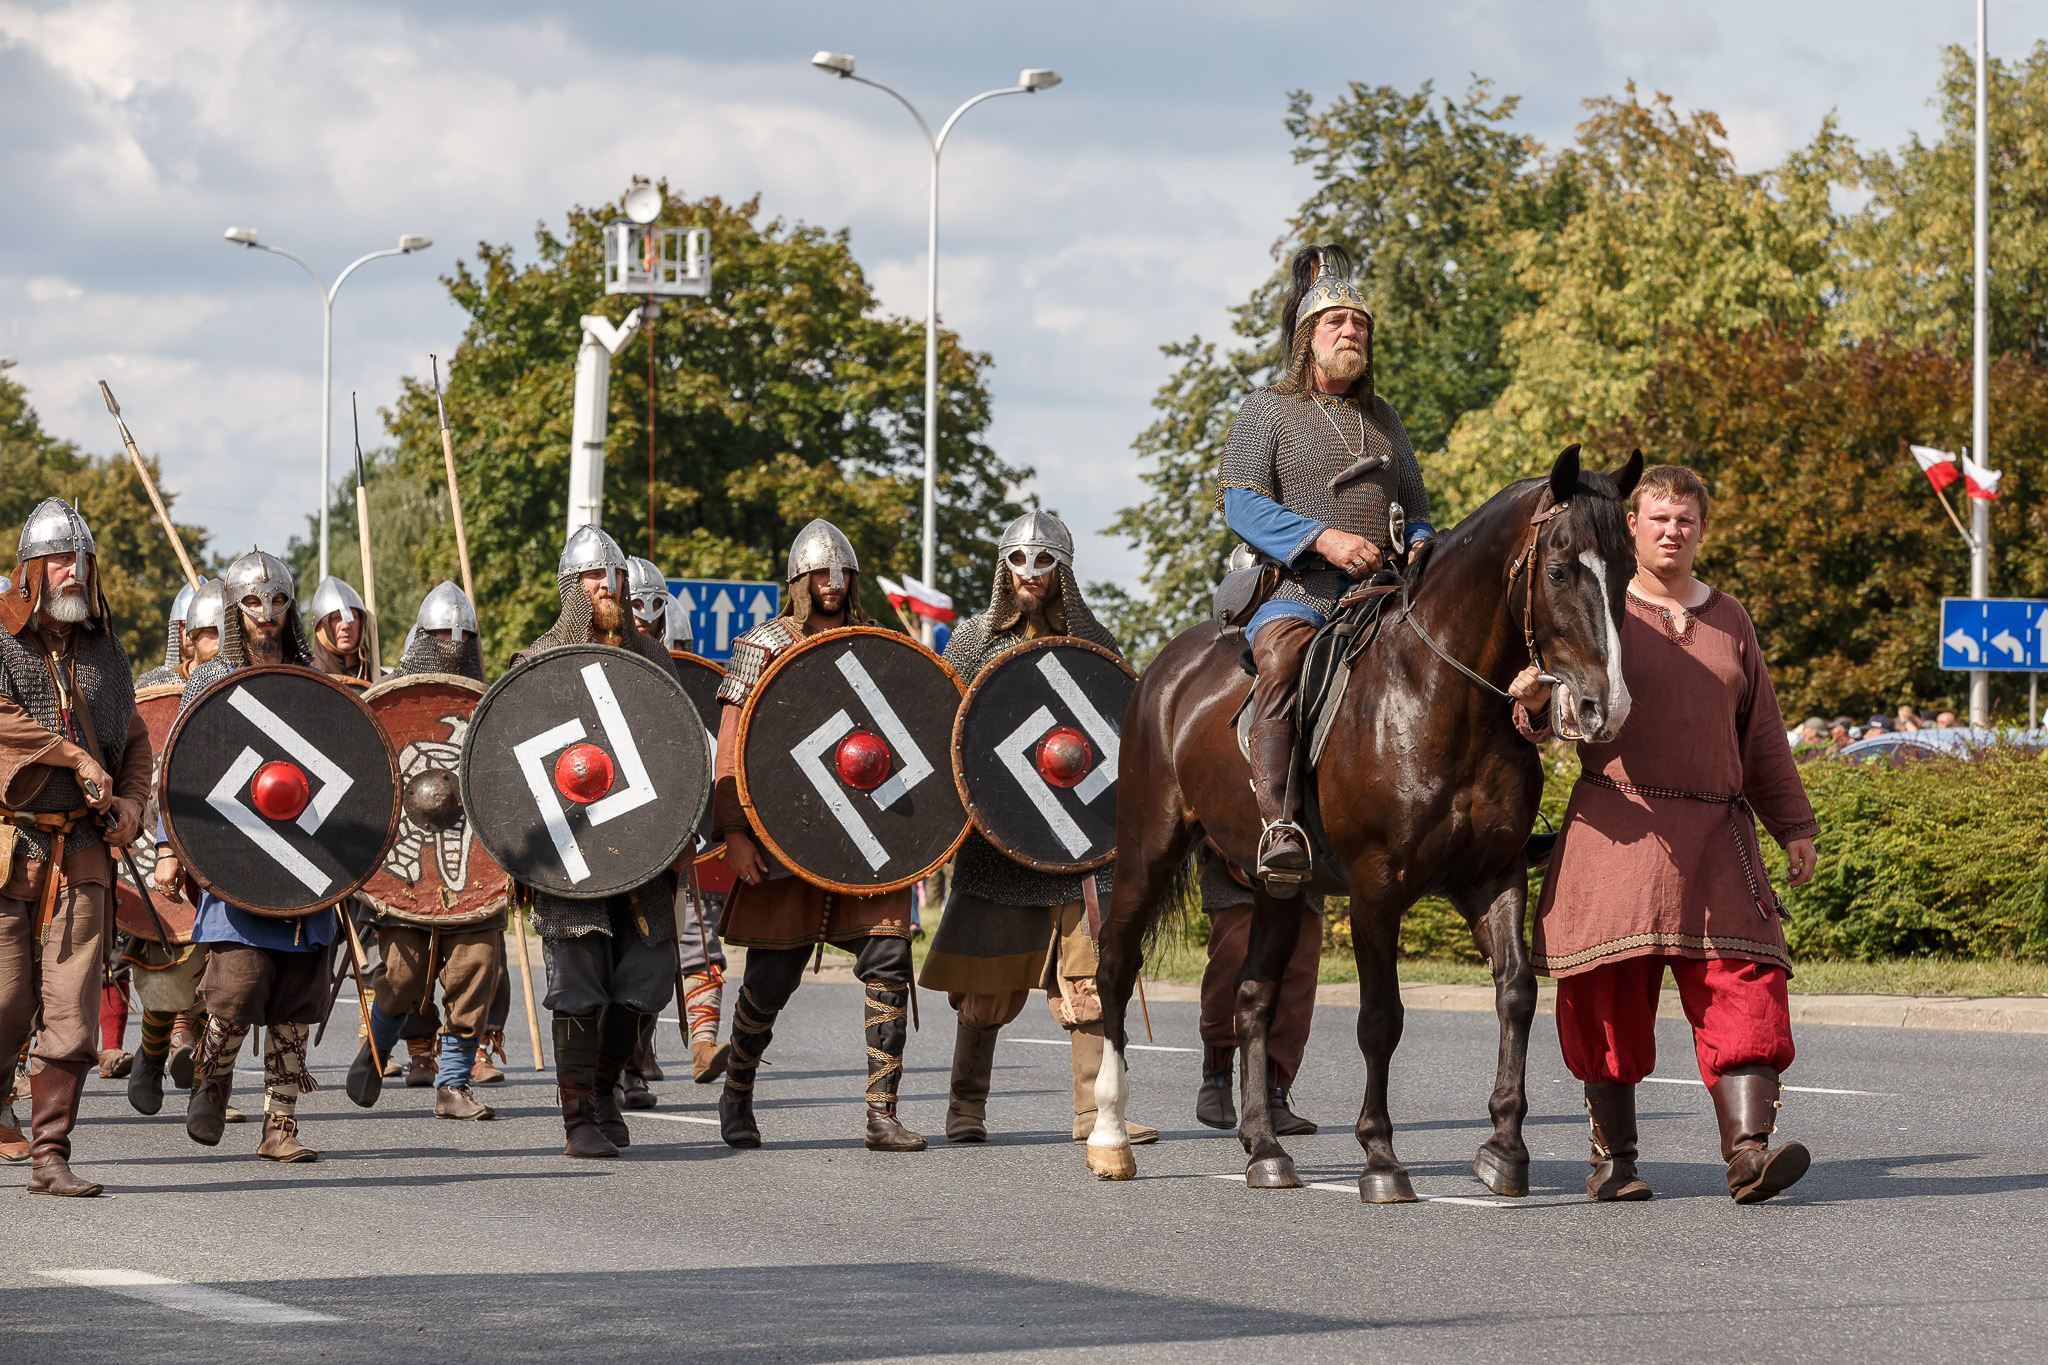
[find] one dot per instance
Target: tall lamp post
(407, 244)
(1980, 375)
(1029, 82)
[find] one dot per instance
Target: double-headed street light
(407, 244)
(1029, 82)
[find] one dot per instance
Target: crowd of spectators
(1843, 730)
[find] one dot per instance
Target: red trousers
(1607, 1017)
(113, 1015)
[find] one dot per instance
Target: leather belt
(1738, 807)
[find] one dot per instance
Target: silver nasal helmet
(333, 595)
(646, 589)
(590, 548)
(181, 605)
(1034, 543)
(209, 607)
(448, 608)
(821, 545)
(55, 528)
(677, 633)
(264, 578)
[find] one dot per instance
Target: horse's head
(1584, 559)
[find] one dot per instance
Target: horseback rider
(1312, 470)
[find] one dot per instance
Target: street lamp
(407, 244)
(1029, 82)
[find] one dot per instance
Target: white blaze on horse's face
(1616, 704)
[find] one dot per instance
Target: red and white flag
(911, 595)
(1938, 465)
(1978, 481)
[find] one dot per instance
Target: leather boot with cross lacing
(752, 1028)
(886, 1009)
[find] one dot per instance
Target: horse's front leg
(1375, 938)
(1120, 954)
(1495, 912)
(1275, 930)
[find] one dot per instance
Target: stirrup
(1285, 876)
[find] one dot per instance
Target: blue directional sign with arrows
(2004, 634)
(721, 609)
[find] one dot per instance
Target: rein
(1525, 560)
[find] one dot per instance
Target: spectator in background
(1842, 730)
(1909, 720)
(1945, 721)
(1812, 730)
(1879, 725)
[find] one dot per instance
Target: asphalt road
(1922, 1231)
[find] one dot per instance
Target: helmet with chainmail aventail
(174, 628)
(447, 608)
(589, 549)
(677, 634)
(1033, 545)
(55, 530)
(646, 589)
(821, 545)
(1321, 281)
(259, 586)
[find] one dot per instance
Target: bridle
(1563, 724)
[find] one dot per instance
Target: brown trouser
(73, 968)
(468, 972)
(244, 987)
(1069, 981)
(1230, 932)
(1277, 652)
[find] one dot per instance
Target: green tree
(782, 396)
(406, 512)
(139, 570)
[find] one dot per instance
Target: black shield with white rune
(842, 760)
(585, 771)
(1035, 752)
(279, 791)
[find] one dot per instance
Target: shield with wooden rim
(279, 790)
(435, 873)
(701, 680)
(158, 707)
(842, 751)
(1035, 752)
(585, 771)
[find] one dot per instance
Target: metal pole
(931, 394)
(1980, 376)
(326, 416)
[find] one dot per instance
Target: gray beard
(69, 610)
(1343, 367)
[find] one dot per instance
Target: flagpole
(1980, 420)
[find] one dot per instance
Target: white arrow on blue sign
(720, 610)
(2003, 634)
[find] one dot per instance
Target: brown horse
(1424, 786)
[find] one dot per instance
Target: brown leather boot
(1612, 1109)
(708, 1060)
(1088, 1046)
(421, 1066)
(1215, 1107)
(184, 1049)
(207, 1111)
(13, 1145)
(485, 1071)
(460, 1102)
(579, 1119)
(114, 1064)
(974, 1060)
(281, 1141)
(1747, 1100)
(1287, 1123)
(54, 1092)
(1283, 845)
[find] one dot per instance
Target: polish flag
(1978, 481)
(912, 595)
(1938, 465)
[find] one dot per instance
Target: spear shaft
(363, 538)
(454, 492)
(149, 486)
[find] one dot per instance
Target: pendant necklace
(1345, 440)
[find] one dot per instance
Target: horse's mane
(1599, 514)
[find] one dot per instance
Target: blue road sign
(2004, 634)
(721, 609)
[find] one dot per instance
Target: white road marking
(187, 1298)
(1035, 788)
(639, 1114)
(224, 799)
(916, 767)
(1352, 1190)
(1796, 1089)
(1132, 1047)
(1093, 721)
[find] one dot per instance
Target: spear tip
(108, 394)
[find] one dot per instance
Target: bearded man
(780, 918)
(261, 971)
(1310, 472)
(74, 772)
(339, 630)
(1006, 929)
(468, 960)
(611, 963)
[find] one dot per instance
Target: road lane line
(1128, 1047)
(1795, 1089)
(639, 1114)
(186, 1298)
(1352, 1190)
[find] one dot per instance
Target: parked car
(1962, 741)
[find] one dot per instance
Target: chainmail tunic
(980, 868)
(425, 653)
(158, 676)
(1292, 447)
(99, 678)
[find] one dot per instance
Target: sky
(1081, 228)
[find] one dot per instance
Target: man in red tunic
(1658, 864)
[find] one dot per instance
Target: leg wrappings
(752, 1030)
(285, 1077)
(887, 1007)
(156, 1033)
(217, 1049)
(703, 1002)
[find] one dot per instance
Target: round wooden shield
(585, 771)
(1035, 752)
(842, 752)
(435, 872)
(279, 790)
(701, 679)
(158, 707)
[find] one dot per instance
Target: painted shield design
(279, 790)
(1035, 752)
(585, 771)
(435, 872)
(701, 678)
(841, 764)
(158, 707)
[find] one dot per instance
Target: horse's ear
(1626, 477)
(1564, 475)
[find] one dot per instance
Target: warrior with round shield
(466, 960)
(341, 638)
(1008, 929)
(261, 971)
(779, 918)
(610, 960)
(74, 773)
(1311, 471)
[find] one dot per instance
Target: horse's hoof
(1385, 1187)
(1271, 1173)
(1112, 1163)
(1499, 1174)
